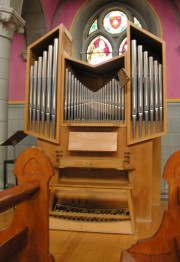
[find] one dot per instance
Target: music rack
(13, 140)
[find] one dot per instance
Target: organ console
(89, 118)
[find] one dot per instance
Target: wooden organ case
(101, 126)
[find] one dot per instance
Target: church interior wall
(66, 12)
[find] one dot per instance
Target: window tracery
(106, 35)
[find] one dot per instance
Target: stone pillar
(10, 22)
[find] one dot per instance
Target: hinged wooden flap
(93, 141)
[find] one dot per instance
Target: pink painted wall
(178, 5)
(17, 70)
(49, 8)
(170, 33)
(71, 8)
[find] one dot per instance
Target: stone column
(10, 22)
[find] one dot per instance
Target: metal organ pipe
(35, 92)
(83, 104)
(72, 97)
(49, 87)
(66, 95)
(140, 88)
(156, 93)
(123, 103)
(69, 96)
(44, 86)
(39, 84)
(119, 104)
(43, 91)
(54, 86)
(115, 100)
(160, 96)
(31, 96)
(146, 90)
(134, 86)
(151, 85)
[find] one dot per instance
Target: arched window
(105, 33)
(88, 25)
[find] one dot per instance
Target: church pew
(164, 245)
(27, 237)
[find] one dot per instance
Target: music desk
(12, 141)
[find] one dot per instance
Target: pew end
(164, 245)
(27, 237)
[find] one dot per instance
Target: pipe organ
(101, 126)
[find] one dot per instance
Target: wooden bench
(26, 239)
(164, 246)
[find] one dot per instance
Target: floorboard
(69, 246)
(87, 247)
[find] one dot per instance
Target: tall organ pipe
(134, 86)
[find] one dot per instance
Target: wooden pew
(27, 238)
(164, 246)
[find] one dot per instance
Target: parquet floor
(93, 247)
(69, 246)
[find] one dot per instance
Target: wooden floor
(93, 247)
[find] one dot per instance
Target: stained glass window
(99, 50)
(136, 22)
(93, 27)
(115, 22)
(123, 46)
(105, 36)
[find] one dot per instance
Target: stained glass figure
(123, 46)
(115, 22)
(99, 50)
(136, 22)
(93, 27)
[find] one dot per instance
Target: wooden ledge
(124, 185)
(101, 162)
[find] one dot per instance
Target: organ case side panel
(146, 117)
(43, 84)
